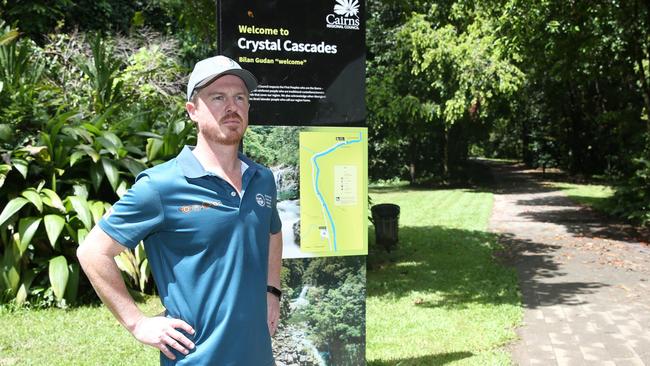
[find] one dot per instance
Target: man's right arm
(96, 256)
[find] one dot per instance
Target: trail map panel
(333, 191)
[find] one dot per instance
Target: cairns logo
(345, 16)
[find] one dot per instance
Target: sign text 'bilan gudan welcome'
(308, 55)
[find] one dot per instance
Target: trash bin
(385, 217)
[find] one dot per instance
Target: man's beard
(223, 135)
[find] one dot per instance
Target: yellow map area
(334, 191)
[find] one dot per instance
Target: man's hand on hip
(161, 332)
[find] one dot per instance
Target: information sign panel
(309, 57)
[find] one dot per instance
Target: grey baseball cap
(208, 70)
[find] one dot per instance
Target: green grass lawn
(440, 298)
(594, 195)
(87, 335)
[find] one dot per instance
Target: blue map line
(320, 196)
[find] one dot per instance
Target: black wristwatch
(275, 291)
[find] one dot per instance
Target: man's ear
(191, 110)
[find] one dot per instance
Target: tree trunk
(641, 52)
(412, 158)
(526, 154)
(445, 159)
(576, 141)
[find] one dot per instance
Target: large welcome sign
(307, 117)
(308, 55)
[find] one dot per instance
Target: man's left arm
(275, 265)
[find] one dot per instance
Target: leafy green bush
(77, 124)
(632, 197)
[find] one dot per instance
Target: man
(212, 235)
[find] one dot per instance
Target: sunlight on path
(586, 292)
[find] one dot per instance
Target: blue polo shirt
(208, 251)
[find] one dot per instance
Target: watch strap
(274, 290)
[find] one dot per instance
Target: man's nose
(230, 104)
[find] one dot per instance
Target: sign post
(307, 124)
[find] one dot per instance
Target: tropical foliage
(552, 83)
(91, 94)
(80, 117)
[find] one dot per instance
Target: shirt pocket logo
(196, 207)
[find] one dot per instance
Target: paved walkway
(585, 281)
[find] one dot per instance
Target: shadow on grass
(602, 204)
(457, 265)
(429, 360)
(389, 188)
(461, 267)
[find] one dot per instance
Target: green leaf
(53, 226)
(140, 253)
(80, 190)
(114, 140)
(72, 288)
(75, 156)
(21, 165)
(134, 166)
(96, 176)
(4, 170)
(12, 207)
(122, 189)
(77, 132)
(125, 263)
(81, 235)
(148, 134)
(72, 232)
(97, 210)
(27, 228)
(92, 129)
(53, 199)
(134, 150)
(25, 284)
(59, 273)
(12, 254)
(32, 195)
(112, 173)
(153, 148)
(108, 145)
(11, 278)
(6, 38)
(80, 206)
(144, 274)
(88, 150)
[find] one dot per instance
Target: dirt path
(584, 279)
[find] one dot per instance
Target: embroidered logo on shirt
(202, 206)
(259, 198)
(263, 200)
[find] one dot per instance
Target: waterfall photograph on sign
(322, 312)
(277, 148)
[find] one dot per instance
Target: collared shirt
(208, 251)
